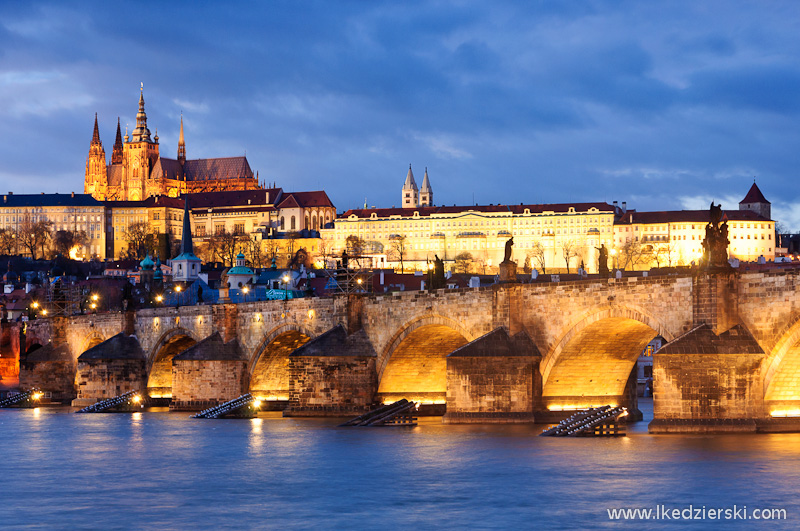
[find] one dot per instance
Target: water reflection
(103, 471)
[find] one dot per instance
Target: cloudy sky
(665, 105)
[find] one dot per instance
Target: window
(238, 228)
(294, 223)
(200, 230)
(219, 229)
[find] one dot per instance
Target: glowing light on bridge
(575, 407)
(73, 253)
(785, 413)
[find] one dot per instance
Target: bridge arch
(268, 368)
(413, 365)
(592, 361)
(91, 341)
(782, 369)
(159, 360)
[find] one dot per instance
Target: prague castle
(138, 171)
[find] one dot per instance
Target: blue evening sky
(665, 105)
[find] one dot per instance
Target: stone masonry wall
(490, 389)
(100, 379)
(199, 384)
(331, 385)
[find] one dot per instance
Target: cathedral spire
(116, 154)
(181, 145)
(96, 134)
(141, 133)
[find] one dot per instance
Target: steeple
(181, 145)
(96, 135)
(141, 133)
(116, 154)
(410, 191)
(426, 192)
(186, 266)
(186, 236)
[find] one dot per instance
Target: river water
(161, 470)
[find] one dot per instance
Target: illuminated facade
(672, 238)
(138, 171)
(67, 212)
(481, 231)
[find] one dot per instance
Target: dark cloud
(540, 101)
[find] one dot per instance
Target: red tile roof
(515, 209)
(684, 216)
(754, 195)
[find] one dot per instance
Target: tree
(662, 254)
(631, 254)
(228, 245)
(141, 239)
(463, 262)
(537, 255)
(291, 243)
(8, 240)
(398, 248)
(355, 247)
(252, 250)
(65, 240)
(568, 251)
(271, 247)
(34, 235)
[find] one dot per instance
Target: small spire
(96, 133)
(186, 237)
(116, 154)
(181, 144)
(126, 133)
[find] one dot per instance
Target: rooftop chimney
(624, 206)
(73, 194)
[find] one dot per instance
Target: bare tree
(65, 240)
(271, 247)
(7, 241)
(398, 248)
(34, 235)
(537, 255)
(631, 254)
(252, 247)
(568, 251)
(463, 262)
(228, 245)
(141, 239)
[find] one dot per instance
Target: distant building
(670, 238)
(138, 171)
(77, 213)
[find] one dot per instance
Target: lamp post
(245, 290)
(286, 287)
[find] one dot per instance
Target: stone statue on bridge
(715, 244)
(436, 278)
(602, 260)
(509, 244)
(508, 269)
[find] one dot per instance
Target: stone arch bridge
(507, 353)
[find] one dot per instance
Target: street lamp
(245, 290)
(286, 287)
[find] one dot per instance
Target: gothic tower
(139, 155)
(181, 145)
(96, 178)
(410, 191)
(426, 192)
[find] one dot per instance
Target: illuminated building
(138, 171)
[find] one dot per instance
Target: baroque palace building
(677, 236)
(138, 171)
(425, 231)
